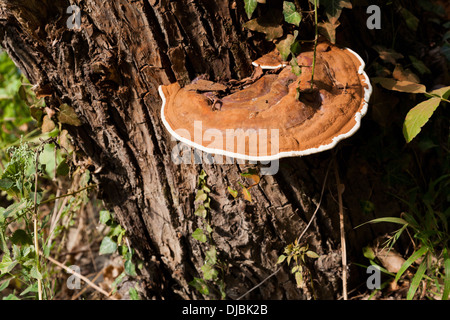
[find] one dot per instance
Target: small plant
(254, 176)
(430, 238)
(115, 242)
(297, 252)
(212, 268)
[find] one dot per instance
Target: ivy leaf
(107, 246)
(411, 20)
(201, 196)
(130, 268)
(418, 116)
(333, 8)
(284, 46)
(200, 285)
(250, 7)
(211, 256)
(291, 15)
(201, 212)
(328, 29)
(209, 272)
(68, 116)
(269, 24)
(134, 294)
(295, 67)
(105, 216)
(199, 235)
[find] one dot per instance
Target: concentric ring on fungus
(265, 120)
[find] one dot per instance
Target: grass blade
(386, 219)
(416, 280)
(416, 255)
(446, 292)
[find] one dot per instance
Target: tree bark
(109, 70)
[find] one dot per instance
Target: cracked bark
(109, 71)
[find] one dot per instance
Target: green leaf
(312, 254)
(105, 216)
(5, 184)
(201, 211)
(386, 219)
(4, 285)
(68, 116)
(418, 116)
(296, 69)
(250, 7)
(281, 259)
(446, 293)
(201, 196)
(416, 255)
(442, 92)
(284, 46)
(107, 246)
(63, 169)
(328, 30)
(291, 15)
(211, 256)
(411, 20)
(299, 279)
(333, 8)
(21, 237)
(11, 297)
(234, 193)
(368, 253)
(130, 268)
(199, 235)
(419, 65)
(7, 264)
(209, 272)
(415, 282)
(200, 286)
(134, 294)
(34, 272)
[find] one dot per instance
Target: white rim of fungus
(336, 140)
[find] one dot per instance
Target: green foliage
(418, 116)
(429, 226)
(291, 15)
(297, 253)
(250, 7)
(212, 267)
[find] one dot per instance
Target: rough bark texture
(109, 71)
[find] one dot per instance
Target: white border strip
(358, 117)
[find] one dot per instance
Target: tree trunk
(109, 70)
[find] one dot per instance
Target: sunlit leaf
(250, 7)
(418, 116)
(291, 15)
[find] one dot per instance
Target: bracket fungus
(276, 115)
